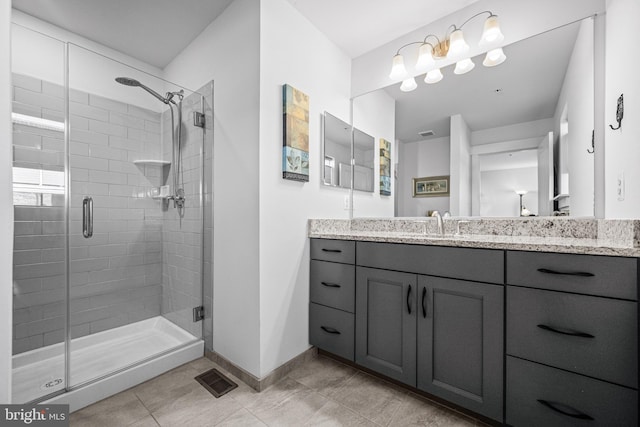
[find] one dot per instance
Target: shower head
(127, 81)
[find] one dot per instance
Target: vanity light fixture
(433, 76)
(408, 85)
(453, 47)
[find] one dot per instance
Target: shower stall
(111, 180)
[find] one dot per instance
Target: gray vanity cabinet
(572, 340)
(332, 296)
(386, 322)
(444, 336)
(445, 320)
(460, 343)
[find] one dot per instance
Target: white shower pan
(126, 352)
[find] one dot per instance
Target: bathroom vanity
(522, 332)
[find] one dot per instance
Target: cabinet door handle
(424, 307)
(565, 331)
(330, 330)
(335, 251)
(409, 300)
(330, 285)
(568, 410)
(566, 273)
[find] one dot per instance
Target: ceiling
(153, 31)
(511, 160)
(358, 26)
(524, 88)
(156, 31)
(147, 30)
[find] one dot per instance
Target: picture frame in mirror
(431, 186)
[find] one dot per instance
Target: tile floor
(322, 392)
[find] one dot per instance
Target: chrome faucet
(440, 222)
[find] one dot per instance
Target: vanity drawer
(333, 250)
(333, 285)
(539, 323)
(615, 277)
(480, 265)
(332, 330)
(533, 388)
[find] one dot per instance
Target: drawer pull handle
(334, 251)
(330, 330)
(424, 296)
(330, 285)
(568, 410)
(565, 331)
(409, 300)
(566, 273)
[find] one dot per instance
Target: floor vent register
(216, 383)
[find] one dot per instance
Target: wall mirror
(363, 156)
(521, 130)
(337, 155)
(337, 152)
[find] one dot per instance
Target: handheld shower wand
(176, 134)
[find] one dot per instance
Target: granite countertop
(564, 235)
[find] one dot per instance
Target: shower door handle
(87, 217)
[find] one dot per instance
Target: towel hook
(593, 142)
(619, 112)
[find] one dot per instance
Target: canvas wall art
(385, 167)
(295, 150)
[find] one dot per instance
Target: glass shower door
(135, 254)
(39, 256)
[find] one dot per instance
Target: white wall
(622, 150)
(39, 52)
(374, 114)
(292, 51)
(460, 167)
(6, 209)
(498, 197)
(577, 96)
(534, 129)
(518, 20)
(227, 51)
(417, 160)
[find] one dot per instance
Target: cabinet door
(386, 303)
(461, 343)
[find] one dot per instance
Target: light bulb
(408, 85)
(398, 71)
(494, 57)
(433, 76)
(457, 46)
(491, 35)
(464, 66)
(425, 58)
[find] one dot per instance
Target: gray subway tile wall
(143, 260)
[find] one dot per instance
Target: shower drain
(51, 384)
